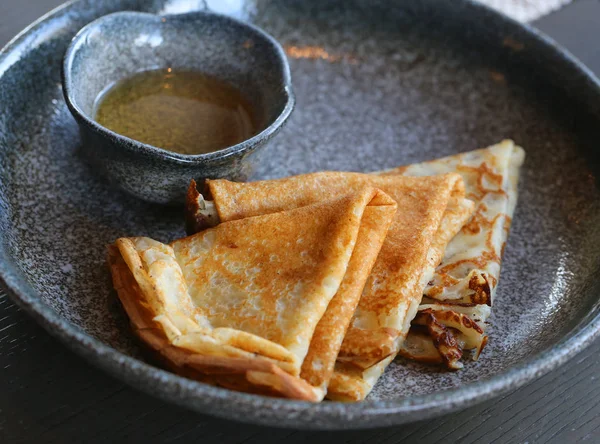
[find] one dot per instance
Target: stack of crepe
(309, 286)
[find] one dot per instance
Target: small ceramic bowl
(119, 45)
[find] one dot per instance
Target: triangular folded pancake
(431, 211)
(251, 304)
(463, 287)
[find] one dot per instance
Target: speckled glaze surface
(118, 45)
(378, 84)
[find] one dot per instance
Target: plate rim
(282, 412)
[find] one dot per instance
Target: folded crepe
(457, 302)
(254, 304)
(431, 210)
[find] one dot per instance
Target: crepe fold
(459, 296)
(431, 210)
(254, 303)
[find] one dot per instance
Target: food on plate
(458, 299)
(309, 286)
(431, 210)
(240, 304)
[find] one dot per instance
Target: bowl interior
(119, 45)
(378, 84)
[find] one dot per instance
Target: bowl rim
(288, 413)
(137, 147)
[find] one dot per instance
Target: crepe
(431, 211)
(459, 297)
(252, 304)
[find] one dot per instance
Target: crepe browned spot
(462, 289)
(239, 304)
(431, 210)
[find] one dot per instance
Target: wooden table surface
(47, 394)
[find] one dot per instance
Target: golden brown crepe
(431, 210)
(460, 294)
(254, 304)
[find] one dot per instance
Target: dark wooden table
(47, 394)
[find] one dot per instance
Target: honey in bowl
(186, 112)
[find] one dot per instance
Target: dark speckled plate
(378, 84)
